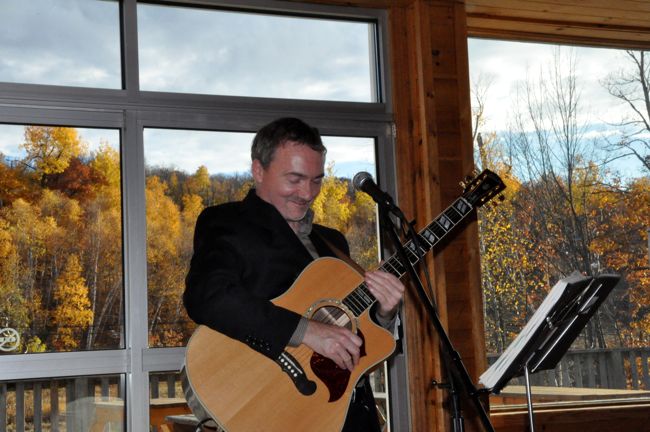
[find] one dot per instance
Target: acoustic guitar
(241, 390)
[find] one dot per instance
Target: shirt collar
(305, 224)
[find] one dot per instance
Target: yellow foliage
(333, 207)
(106, 162)
(72, 313)
(49, 149)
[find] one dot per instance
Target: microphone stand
(457, 369)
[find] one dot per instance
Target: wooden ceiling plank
(635, 27)
(612, 32)
(529, 32)
(579, 5)
(564, 13)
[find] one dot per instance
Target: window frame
(131, 110)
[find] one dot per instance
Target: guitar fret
(437, 229)
(411, 252)
(424, 244)
(355, 307)
(359, 300)
(462, 207)
(453, 215)
(445, 223)
(367, 297)
(389, 268)
(363, 290)
(429, 236)
(397, 264)
(424, 240)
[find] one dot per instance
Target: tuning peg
(501, 197)
(462, 184)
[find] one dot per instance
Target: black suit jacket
(246, 254)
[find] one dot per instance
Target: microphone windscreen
(359, 178)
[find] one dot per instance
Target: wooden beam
(574, 33)
(603, 12)
(429, 68)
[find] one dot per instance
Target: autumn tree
(103, 255)
(165, 270)
(630, 85)
(352, 214)
(30, 234)
(550, 150)
(14, 183)
(71, 315)
(621, 246)
(199, 184)
(14, 309)
(509, 276)
(49, 150)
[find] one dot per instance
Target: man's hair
(278, 132)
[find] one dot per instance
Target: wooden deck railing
(617, 368)
(61, 405)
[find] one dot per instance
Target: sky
(189, 50)
(510, 64)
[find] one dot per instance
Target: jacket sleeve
(216, 296)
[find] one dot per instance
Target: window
(61, 214)
(576, 202)
(96, 222)
(220, 52)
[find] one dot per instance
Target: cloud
(510, 64)
(67, 42)
(247, 54)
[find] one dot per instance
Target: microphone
(363, 181)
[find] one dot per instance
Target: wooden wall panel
(434, 152)
(416, 194)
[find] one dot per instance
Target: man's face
(292, 180)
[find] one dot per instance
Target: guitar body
(244, 391)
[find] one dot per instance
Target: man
(250, 252)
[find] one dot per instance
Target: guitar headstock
(482, 188)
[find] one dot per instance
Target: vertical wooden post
(431, 97)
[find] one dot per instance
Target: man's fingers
(336, 343)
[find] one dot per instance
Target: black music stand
(550, 332)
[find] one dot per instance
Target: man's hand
(387, 289)
(336, 343)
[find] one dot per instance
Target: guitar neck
(361, 298)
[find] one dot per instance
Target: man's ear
(258, 171)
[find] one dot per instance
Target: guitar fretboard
(361, 298)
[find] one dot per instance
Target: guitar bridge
(291, 367)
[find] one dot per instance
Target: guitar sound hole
(332, 315)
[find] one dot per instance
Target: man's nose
(309, 190)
